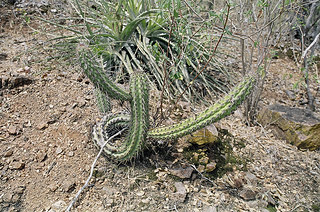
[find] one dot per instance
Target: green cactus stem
(96, 75)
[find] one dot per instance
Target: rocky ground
(46, 115)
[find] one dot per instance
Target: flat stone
(8, 153)
(181, 191)
(59, 205)
(291, 94)
(182, 173)
(41, 156)
(247, 194)
(300, 127)
(202, 137)
(16, 165)
(53, 187)
(42, 125)
(68, 186)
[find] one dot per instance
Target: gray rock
(247, 194)
(209, 209)
(59, 206)
(298, 126)
(290, 94)
(182, 173)
(181, 192)
(68, 186)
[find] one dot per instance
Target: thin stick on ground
(91, 172)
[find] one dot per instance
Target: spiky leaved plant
(125, 36)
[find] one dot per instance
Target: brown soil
(46, 153)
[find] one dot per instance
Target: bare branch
(311, 45)
(91, 171)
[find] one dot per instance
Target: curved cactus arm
(219, 110)
(103, 101)
(139, 122)
(96, 75)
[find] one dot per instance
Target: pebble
(59, 205)
(211, 166)
(145, 201)
(181, 192)
(13, 130)
(42, 125)
(8, 153)
(70, 154)
(53, 187)
(140, 193)
(68, 186)
(182, 173)
(41, 156)
(58, 150)
(248, 194)
(16, 165)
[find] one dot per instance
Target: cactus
(138, 122)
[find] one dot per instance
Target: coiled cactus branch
(139, 123)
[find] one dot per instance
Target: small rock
(201, 168)
(16, 165)
(8, 153)
(209, 209)
(81, 102)
(53, 187)
(202, 137)
(42, 125)
(7, 197)
(68, 186)
(181, 192)
(3, 56)
(290, 94)
(58, 150)
(13, 130)
(211, 166)
(59, 205)
(70, 154)
(140, 193)
(248, 194)
(182, 173)
(145, 201)
(251, 178)
(20, 189)
(41, 156)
